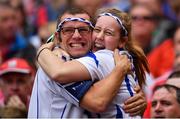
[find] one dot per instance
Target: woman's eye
(97, 30)
(109, 33)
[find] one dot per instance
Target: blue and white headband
(51, 38)
(118, 20)
(73, 19)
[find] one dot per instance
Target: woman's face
(106, 34)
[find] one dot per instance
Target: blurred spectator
(12, 42)
(12, 112)
(21, 18)
(175, 4)
(167, 20)
(90, 6)
(155, 5)
(44, 32)
(46, 16)
(163, 56)
(123, 5)
(165, 102)
(16, 79)
(173, 79)
(168, 64)
(49, 10)
(144, 22)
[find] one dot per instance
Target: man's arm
(137, 104)
(101, 94)
(59, 70)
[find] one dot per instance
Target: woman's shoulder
(104, 51)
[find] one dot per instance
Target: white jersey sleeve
(99, 64)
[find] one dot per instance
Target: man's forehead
(83, 15)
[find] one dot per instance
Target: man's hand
(137, 104)
(15, 101)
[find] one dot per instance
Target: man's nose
(14, 86)
(76, 34)
(158, 107)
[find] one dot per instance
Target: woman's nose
(100, 35)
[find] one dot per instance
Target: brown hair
(74, 10)
(139, 58)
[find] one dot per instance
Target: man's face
(164, 104)
(78, 43)
(7, 23)
(16, 84)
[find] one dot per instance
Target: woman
(112, 31)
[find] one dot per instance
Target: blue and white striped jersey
(52, 100)
(99, 67)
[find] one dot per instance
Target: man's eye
(20, 81)
(83, 29)
(154, 103)
(8, 81)
(166, 103)
(68, 30)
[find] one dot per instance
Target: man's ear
(123, 42)
(58, 36)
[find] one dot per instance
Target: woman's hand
(61, 53)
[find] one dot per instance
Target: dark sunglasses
(146, 18)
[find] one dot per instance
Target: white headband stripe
(116, 18)
(73, 19)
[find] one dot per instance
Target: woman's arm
(59, 70)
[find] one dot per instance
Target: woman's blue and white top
(99, 65)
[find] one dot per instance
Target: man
(172, 79)
(62, 98)
(16, 78)
(12, 42)
(166, 102)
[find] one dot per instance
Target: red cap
(15, 65)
